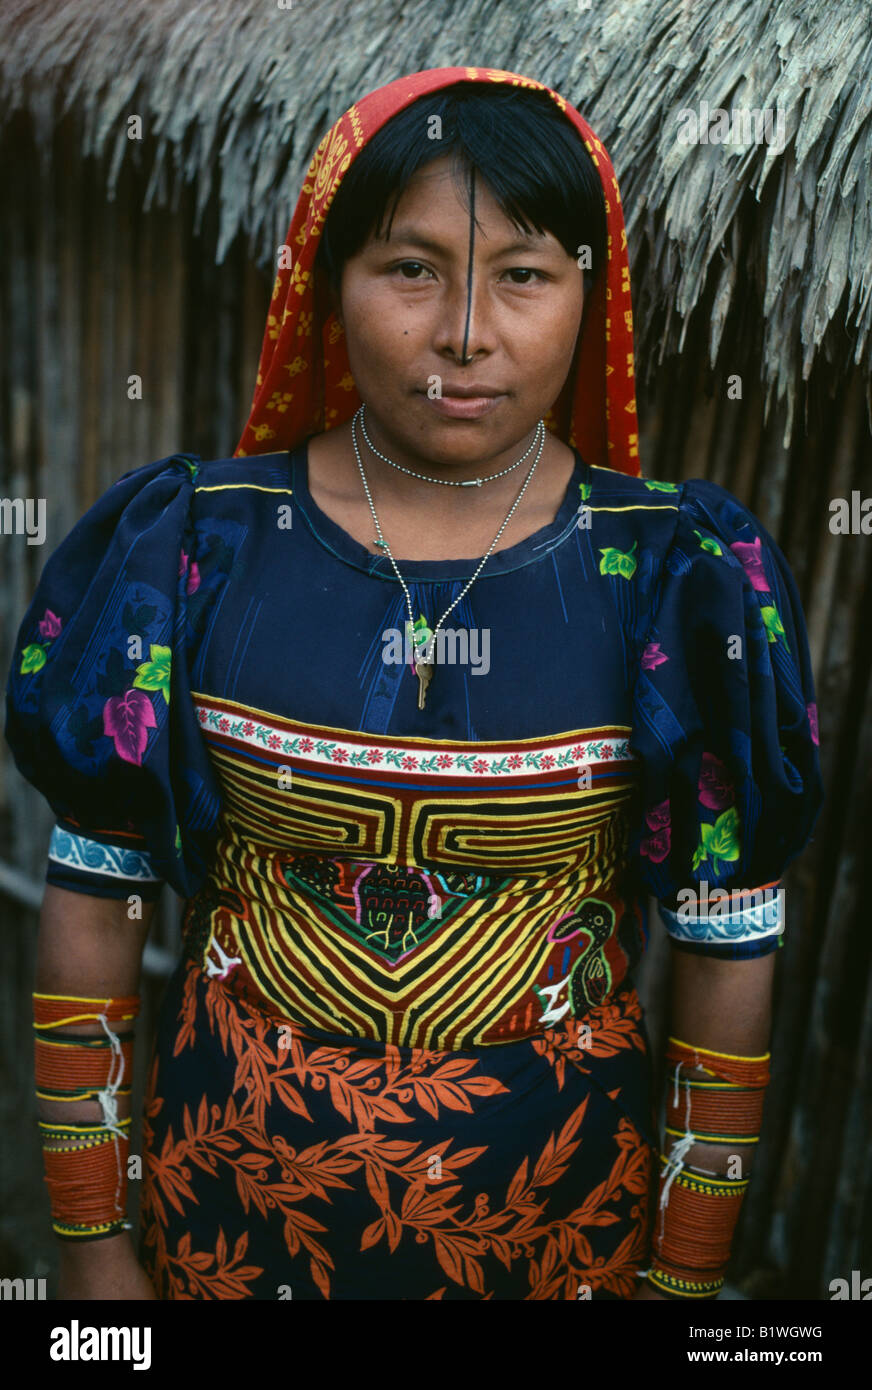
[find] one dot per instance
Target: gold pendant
(424, 672)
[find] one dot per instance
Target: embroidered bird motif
(590, 978)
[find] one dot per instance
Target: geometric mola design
(388, 908)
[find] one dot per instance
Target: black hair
(528, 153)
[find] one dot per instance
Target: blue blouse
(629, 710)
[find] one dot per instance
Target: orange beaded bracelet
(85, 1164)
(699, 1211)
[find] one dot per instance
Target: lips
(473, 390)
(465, 407)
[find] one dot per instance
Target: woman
(415, 699)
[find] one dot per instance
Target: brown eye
(524, 270)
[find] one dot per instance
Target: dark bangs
(516, 138)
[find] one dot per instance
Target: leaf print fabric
(655, 844)
(34, 654)
(718, 841)
(618, 561)
(99, 710)
(724, 712)
(522, 1171)
(127, 720)
(750, 555)
(154, 674)
(654, 486)
(715, 784)
(774, 625)
(652, 656)
(706, 543)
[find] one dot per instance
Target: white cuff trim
(77, 852)
(719, 923)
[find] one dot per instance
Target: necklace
(449, 482)
(424, 640)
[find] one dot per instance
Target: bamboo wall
(91, 292)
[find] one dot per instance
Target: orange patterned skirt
(285, 1163)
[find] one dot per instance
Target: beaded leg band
(85, 1163)
(697, 1211)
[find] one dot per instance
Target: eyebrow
(413, 238)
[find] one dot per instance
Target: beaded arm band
(85, 1163)
(697, 1211)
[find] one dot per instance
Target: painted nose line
(464, 359)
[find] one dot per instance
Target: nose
(465, 327)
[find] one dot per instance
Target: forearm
(717, 1070)
(723, 1006)
(88, 948)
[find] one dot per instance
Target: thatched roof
(757, 239)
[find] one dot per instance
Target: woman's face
(407, 305)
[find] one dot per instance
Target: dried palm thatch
(770, 240)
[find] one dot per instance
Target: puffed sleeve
(99, 715)
(725, 723)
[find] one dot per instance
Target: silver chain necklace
(449, 482)
(423, 651)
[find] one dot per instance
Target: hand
(103, 1269)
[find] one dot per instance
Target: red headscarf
(304, 382)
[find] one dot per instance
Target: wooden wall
(91, 292)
